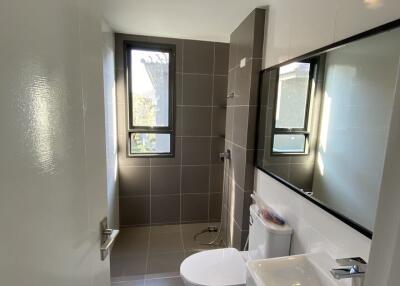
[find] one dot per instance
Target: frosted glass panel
(150, 143)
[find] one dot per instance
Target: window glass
(150, 143)
(289, 143)
(150, 88)
(291, 103)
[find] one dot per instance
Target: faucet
(353, 267)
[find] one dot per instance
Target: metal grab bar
(107, 236)
(104, 248)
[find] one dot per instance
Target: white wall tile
(314, 229)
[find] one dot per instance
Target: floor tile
(131, 242)
(128, 267)
(166, 228)
(165, 242)
(129, 283)
(164, 264)
(190, 230)
(173, 281)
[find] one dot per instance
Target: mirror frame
(374, 31)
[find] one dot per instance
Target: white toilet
(227, 266)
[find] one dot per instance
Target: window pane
(150, 143)
(289, 143)
(292, 95)
(150, 88)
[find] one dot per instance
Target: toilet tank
(266, 239)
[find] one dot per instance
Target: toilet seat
(219, 267)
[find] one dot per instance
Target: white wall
(111, 125)
(360, 81)
(385, 251)
(297, 27)
(53, 163)
(314, 229)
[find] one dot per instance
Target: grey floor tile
(126, 268)
(164, 264)
(129, 283)
(165, 242)
(172, 281)
(166, 228)
(131, 241)
(189, 230)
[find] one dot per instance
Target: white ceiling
(211, 20)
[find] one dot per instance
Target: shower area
(170, 207)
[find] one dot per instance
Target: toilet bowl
(220, 267)
(227, 266)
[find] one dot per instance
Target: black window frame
(307, 118)
(170, 129)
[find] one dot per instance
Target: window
(150, 73)
(293, 95)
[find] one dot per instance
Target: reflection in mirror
(323, 124)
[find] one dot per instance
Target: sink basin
(297, 270)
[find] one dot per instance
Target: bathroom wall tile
(165, 180)
(216, 178)
(178, 88)
(240, 123)
(259, 25)
(195, 179)
(231, 87)
(198, 57)
(243, 84)
(233, 50)
(134, 211)
(197, 89)
(194, 207)
(255, 79)
(218, 121)
(221, 58)
(196, 150)
(134, 181)
(166, 161)
(215, 206)
(165, 209)
(196, 121)
(217, 147)
(178, 120)
(220, 90)
(230, 111)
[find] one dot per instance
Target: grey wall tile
(221, 58)
(165, 209)
(215, 206)
(218, 121)
(240, 123)
(216, 178)
(176, 160)
(255, 79)
(178, 88)
(196, 150)
(233, 49)
(230, 110)
(220, 90)
(231, 87)
(194, 207)
(259, 24)
(196, 121)
(195, 179)
(198, 57)
(165, 180)
(134, 181)
(197, 89)
(134, 211)
(217, 147)
(243, 84)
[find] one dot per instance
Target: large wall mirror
(324, 120)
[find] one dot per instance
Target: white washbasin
(297, 270)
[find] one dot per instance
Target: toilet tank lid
(269, 226)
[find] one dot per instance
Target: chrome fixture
(108, 237)
(225, 155)
(353, 267)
